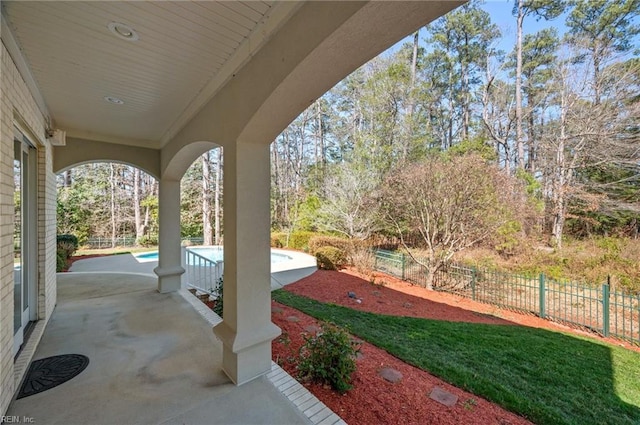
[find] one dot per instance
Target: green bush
(330, 258)
(319, 241)
(68, 241)
(66, 245)
(61, 261)
(278, 239)
(294, 240)
(507, 238)
(148, 241)
(218, 307)
(300, 240)
(329, 357)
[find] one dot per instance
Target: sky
(500, 12)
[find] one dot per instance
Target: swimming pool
(213, 253)
(204, 265)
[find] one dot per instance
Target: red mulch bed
(372, 400)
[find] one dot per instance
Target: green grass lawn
(547, 377)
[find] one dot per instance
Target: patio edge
(307, 404)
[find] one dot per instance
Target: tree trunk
(466, 114)
(207, 229)
(217, 207)
(411, 100)
(432, 269)
(562, 172)
(319, 139)
(596, 75)
(66, 180)
(140, 226)
(518, 88)
(112, 206)
(531, 137)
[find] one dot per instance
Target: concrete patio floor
(153, 360)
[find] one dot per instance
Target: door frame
(28, 234)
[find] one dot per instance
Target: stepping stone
(443, 397)
(276, 310)
(407, 305)
(376, 293)
(293, 319)
(312, 329)
(390, 375)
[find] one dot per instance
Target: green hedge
(66, 245)
(330, 258)
(319, 241)
(278, 239)
(296, 240)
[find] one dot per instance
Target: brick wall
(18, 106)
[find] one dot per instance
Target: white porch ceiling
(186, 51)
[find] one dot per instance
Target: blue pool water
(213, 253)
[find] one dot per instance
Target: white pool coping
(300, 266)
(283, 273)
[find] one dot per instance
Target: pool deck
(153, 358)
(282, 273)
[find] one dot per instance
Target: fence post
(542, 296)
(605, 307)
(403, 262)
(473, 283)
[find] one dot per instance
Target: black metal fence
(597, 308)
(127, 242)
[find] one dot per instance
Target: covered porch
(152, 359)
(155, 85)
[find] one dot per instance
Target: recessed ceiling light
(123, 31)
(114, 100)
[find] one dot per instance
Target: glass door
(24, 263)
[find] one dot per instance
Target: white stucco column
(246, 331)
(169, 268)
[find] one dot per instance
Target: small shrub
(148, 241)
(218, 307)
(300, 240)
(66, 245)
(507, 238)
(319, 241)
(277, 240)
(329, 357)
(61, 261)
(363, 259)
(330, 258)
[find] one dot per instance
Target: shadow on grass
(547, 377)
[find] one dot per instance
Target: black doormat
(50, 372)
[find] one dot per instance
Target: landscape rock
(443, 397)
(390, 375)
(312, 329)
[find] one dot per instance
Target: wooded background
(555, 123)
